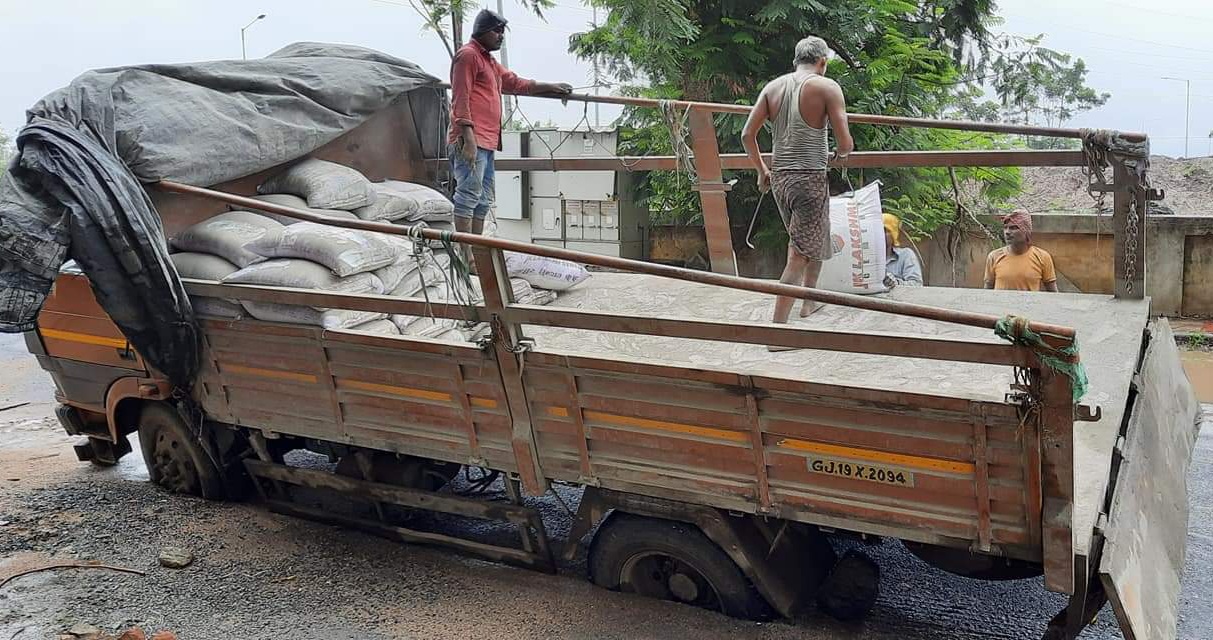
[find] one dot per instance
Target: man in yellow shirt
(1019, 266)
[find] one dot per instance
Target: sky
(1129, 45)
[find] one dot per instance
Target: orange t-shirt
(1026, 271)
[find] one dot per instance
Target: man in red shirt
(477, 82)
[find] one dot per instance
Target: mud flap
(1147, 526)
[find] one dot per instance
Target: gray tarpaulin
(73, 190)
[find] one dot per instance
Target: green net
(1064, 360)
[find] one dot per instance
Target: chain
(1131, 226)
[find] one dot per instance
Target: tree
(894, 57)
(437, 12)
(1036, 85)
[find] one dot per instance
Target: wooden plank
(1057, 480)
(465, 406)
(714, 202)
(326, 299)
(583, 450)
(981, 478)
(1146, 535)
(507, 338)
(776, 334)
(760, 450)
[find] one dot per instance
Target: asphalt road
(260, 575)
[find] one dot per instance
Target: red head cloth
(1020, 218)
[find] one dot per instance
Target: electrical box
(546, 219)
(592, 211)
(608, 221)
(573, 212)
(508, 185)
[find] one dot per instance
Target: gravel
(256, 574)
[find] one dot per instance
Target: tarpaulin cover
(73, 190)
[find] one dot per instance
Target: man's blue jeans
(475, 186)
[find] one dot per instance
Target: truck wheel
(671, 561)
(852, 587)
(174, 457)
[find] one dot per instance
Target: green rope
(1064, 361)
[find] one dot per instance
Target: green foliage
(436, 13)
(894, 57)
(1036, 85)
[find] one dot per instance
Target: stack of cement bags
(255, 248)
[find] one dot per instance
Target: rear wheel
(175, 458)
(674, 561)
(852, 587)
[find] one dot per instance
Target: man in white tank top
(801, 106)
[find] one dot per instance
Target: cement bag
(390, 204)
(325, 185)
(857, 234)
(392, 275)
(545, 273)
(296, 314)
(381, 326)
(540, 297)
(345, 251)
(428, 273)
(302, 274)
(424, 327)
(216, 307)
(204, 266)
(288, 200)
(228, 235)
(427, 203)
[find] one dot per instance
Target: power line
(1114, 35)
(1157, 12)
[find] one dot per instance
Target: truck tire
(852, 587)
(174, 457)
(671, 560)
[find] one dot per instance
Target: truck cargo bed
(1109, 338)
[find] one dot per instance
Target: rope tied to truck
(1064, 360)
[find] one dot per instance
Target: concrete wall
(1179, 258)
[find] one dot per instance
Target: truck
(998, 434)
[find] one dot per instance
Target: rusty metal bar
(857, 160)
(713, 201)
(776, 334)
(860, 118)
(927, 312)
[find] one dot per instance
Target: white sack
(288, 200)
(857, 232)
(545, 273)
(325, 185)
(302, 274)
(228, 236)
(345, 251)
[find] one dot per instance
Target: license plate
(861, 471)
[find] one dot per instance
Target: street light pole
(243, 53)
(1187, 107)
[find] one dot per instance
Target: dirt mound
(1188, 185)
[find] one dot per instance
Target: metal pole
(597, 80)
(505, 62)
(636, 266)
(243, 53)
